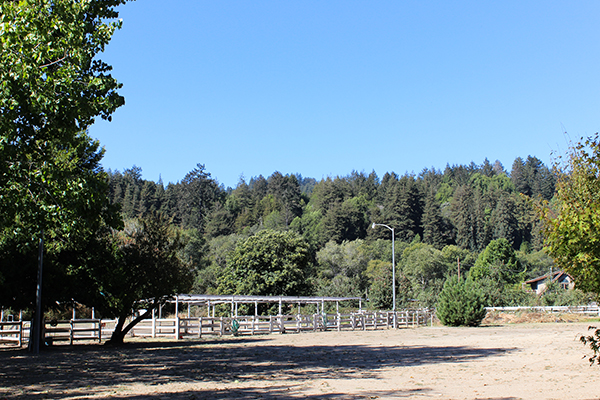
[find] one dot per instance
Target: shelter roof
(216, 299)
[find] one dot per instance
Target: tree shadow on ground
(278, 393)
(62, 371)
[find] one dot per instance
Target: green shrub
(460, 303)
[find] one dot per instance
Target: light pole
(393, 271)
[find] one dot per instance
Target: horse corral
(183, 325)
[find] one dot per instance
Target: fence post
(71, 331)
(20, 334)
(153, 323)
(176, 317)
(387, 320)
(281, 324)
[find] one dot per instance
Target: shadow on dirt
(63, 371)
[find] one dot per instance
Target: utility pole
(37, 323)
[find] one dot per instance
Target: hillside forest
(467, 217)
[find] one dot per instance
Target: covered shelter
(208, 300)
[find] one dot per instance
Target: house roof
(555, 276)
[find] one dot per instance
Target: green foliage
(215, 252)
(460, 303)
(453, 255)
(334, 220)
(593, 341)
(269, 263)
(380, 291)
(573, 226)
(556, 295)
(348, 259)
(308, 226)
(499, 294)
(141, 268)
(339, 286)
(536, 263)
(532, 178)
(435, 229)
(499, 272)
(426, 270)
(52, 87)
(498, 261)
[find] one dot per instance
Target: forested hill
(465, 205)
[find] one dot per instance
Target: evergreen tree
(462, 215)
(504, 221)
(286, 191)
(434, 228)
(460, 303)
(198, 193)
(519, 177)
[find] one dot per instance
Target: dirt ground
(510, 361)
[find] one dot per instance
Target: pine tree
(433, 223)
(460, 303)
(462, 214)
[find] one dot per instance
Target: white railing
(589, 309)
(252, 325)
(17, 332)
(73, 330)
(14, 332)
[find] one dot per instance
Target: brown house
(538, 285)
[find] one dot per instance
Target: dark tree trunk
(118, 335)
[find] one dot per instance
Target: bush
(460, 303)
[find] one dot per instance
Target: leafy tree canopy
(52, 87)
(573, 226)
(269, 263)
(499, 261)
(145, 266)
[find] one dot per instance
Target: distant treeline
(464, 205)
(445, 223)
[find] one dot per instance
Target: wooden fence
(254, 325)
(17, 332)
(14, 332)
(589, 309)
(70, 331)
(73, 330)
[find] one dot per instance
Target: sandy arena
(512, 361)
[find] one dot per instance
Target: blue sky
(323, 88)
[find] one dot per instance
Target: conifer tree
(460, 303)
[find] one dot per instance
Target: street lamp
(393, 271)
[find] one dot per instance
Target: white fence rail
(73, 330)
(14, 332)
(17, 332)
(589, 309)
